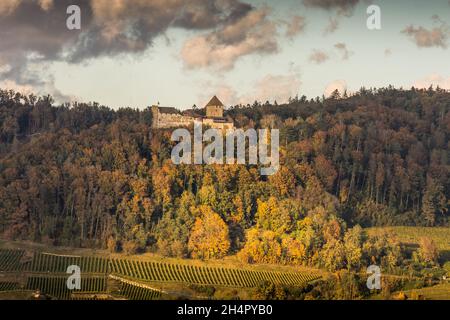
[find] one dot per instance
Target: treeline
(86, 175)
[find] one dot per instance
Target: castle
(168, 117)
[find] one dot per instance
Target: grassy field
(410, 236)
(438, 292)
(16, 295)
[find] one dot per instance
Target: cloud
(270, 88)
(427, 38)
(277, 87)
(436, 37)
(226, 93)
(318, 56)
(295, 26)
(252, 33)
(342, 6)
(46, 4)
(8, 6)
(4, 67)
(130, 26)
(34, 31)
(332, 26)
(433, 80)
(340, 85)
(12, 85)
(342, 47)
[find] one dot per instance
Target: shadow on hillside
(444, 255)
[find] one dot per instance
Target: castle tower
(214, 108)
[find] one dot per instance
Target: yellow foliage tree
(261, 247)
(272, 215)
(209, 236)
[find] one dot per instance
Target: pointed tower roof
(215, 102)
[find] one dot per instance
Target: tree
(272, 215)
(434, 202)
(333, 255)
(209, 236)
(428, 250)
(173, 230)
(282, 183)
(353, 241)
(261, 247)
(325, 171)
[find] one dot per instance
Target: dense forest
(86, 175)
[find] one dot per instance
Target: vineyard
(10, 260)
(165, 272)
(44, 262)
(94, 271)
(134, 291)
(57, 286)
(8, 286)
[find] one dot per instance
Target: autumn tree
(209, 238)
(428, 251)
(434, 203)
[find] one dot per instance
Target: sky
(136, 53)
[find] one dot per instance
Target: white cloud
(427, 38)
(277, 87)
(46, 4)
(12, 85)
(270, 88)
(434, 80)
(252, 34)
(340, 85)
(8, 6)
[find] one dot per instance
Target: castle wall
(165, 120)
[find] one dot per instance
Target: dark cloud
(108, 27)
(35, 30)
(342, 6)
(126, 26)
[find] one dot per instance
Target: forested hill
(91, 176)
